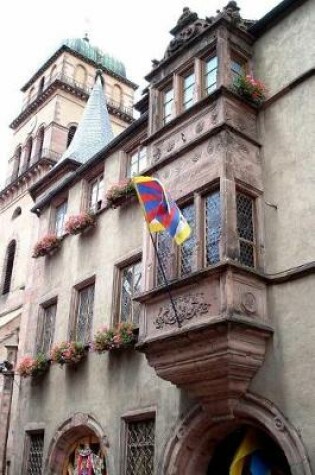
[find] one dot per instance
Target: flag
(160, 211)
(249, 447)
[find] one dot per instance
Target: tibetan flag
(249, 450)
(160, 211)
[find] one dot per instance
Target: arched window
(8, 267)
(41, 85)
(17, 212)
(17, 162)
(28, 152)
(40, 143)
(71, 132)
(80, 75)
(117, 95)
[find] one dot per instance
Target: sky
(133, 31)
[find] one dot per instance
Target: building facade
(224, 352)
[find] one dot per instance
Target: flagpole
(165, 280)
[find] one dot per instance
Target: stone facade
(237, 350)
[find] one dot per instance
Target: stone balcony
(220, 342)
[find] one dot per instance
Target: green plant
(250, 88)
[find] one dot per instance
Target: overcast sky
(134, 31)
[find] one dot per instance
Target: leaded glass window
(137, 162)
(130, 286)
(245, 228)
(164, 248)
(168, 100)
(47, 328)
(35, 453)
(60, 214)
(84, 313)
(188, 248)
(188, 90)
(140, 447)
(213, 227)
(210, 75)
(96, 192)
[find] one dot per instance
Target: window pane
(140, 439)
(164, 246)
(213, 227)
(49, 317)
(211, 64)
(60, 218)
(85, 313)
(245, 227)
(168, 96)
(96, 194)
(35, 455)
(188, 248)
(188, 91)
(189, 81)
(168, 105)
(210, 75)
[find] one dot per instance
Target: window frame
(100, 195)
(170, 87)
(254, 243)
(53, 302)
(136, 151)
(54, 227)
(121, 269)
(27, 448)
(188, 72)
(237, 58)
(9, 258)
(74, 306)
(204, 73)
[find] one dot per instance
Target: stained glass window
(47, 328)
(84, 313)
(245, 227)
(140, 447)
(189, 90)
(60, 214)
(130, 286)
(210, 75)
(213, 227)
(164, 247)
(188, 248)
(35, 453)
(96, 192)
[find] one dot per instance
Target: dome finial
(86, 37)
(99, 73)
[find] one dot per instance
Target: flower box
(68, 352)
(122, 336)
(80, 223)
(48, 245)
(34, 367)
(250, 89)
(120, 193)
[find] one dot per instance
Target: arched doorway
(79, 447)
(206, 444)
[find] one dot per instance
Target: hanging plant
(120, 193)
(120, 337)
(250, 88)
(81, 222)
(37, 366)
(46, 245)
(68, 352)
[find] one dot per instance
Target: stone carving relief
(248, 303)
(156, 154)
(188, 307)
(199, 127)
(243, 121)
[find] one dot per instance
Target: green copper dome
(83, 47)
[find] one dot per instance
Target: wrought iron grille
(48, 328)
(213, 227)
(245, 227)
(140, 448)
(164, 246)
(85, 313)
(35, 455)
(188, 248)
(130, 286)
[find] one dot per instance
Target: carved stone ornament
(279, 423)
(156, 154)
(170, 145)
(187, 307)
(248, 302)
(199, 127)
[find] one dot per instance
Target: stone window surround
(229, 233)
(119, 265)
(31, 429)
(137, 415)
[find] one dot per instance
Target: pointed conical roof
(94, 130)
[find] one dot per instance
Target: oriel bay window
(204, 218)
(238, 67)
(96, 194)
(245, 228)
(130, 285)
